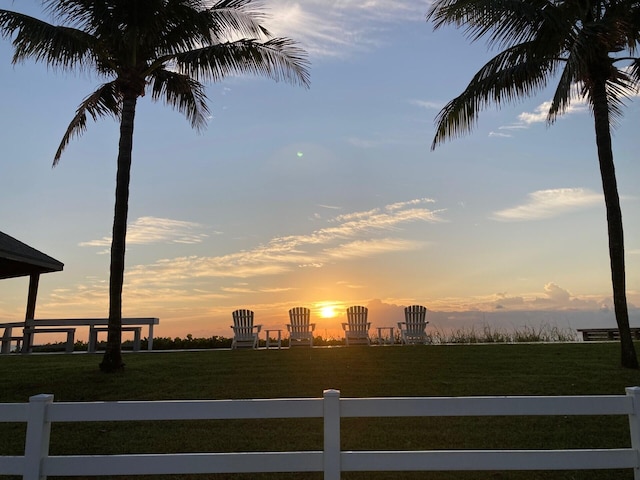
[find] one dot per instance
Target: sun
(327, 312)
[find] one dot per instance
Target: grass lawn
(457, 370)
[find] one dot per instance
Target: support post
(150, 341)
(634, 427)
(37, 440)
(5, 347)
(27, 335)
(331, 457)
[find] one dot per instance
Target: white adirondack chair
(245, 333)
(413, 329)
(300, 329)
(356, 328)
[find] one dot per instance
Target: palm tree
(589, 47)
(165, 47)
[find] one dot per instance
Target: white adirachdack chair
(245, 333)
(356, 328)
(300, 329)
(413, 329)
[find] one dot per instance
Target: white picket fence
(41, 412)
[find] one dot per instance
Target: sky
(323, 197)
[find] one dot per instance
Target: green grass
(440, 370)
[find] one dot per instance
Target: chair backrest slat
(243, 322)
(357, 318)
(415, 318)
(300, 318)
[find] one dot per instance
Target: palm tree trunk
(614, 222)
(112, 360)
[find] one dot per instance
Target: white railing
(41, 412)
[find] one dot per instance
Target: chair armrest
(400, 324)
(288, 325)
(258, 327)
(344, 326)
(313, 326)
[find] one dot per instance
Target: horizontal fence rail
(41, 412)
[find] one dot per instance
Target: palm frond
(634, 71)
(564, 89)
(503, 22)
(190, 24)
(58, 46)
(542, 34)
(507, 77)
(105, 101)
(238, 17)
(619, 89)
(278, 58)
(183, 93)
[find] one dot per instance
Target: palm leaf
(278, 58)
(57, 46)
(240, 17)
(634, 72)
(182, 93)
(505, 22)
(105, 101)
(504, 79)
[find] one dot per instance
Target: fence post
(331, 456)
(634, 427)
(37, 441)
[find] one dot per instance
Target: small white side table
(278, 339)
(382, 340)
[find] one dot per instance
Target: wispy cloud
(539, 115)
(427, 104)
(356, 234)
(367, 248)
(152, 230)
(401, 205)
(330, 207)
(550, 203)
(500, 134)
(338, 28)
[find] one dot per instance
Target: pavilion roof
(18, 259)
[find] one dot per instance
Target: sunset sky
(329, 196)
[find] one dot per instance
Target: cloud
(556, 294)
(153, 230)
(503, 301)
(400, 205)
(513, 127)
(427, 104)
(552, 297)
(500, 134)
(545, 204)
(345, 236)
(367, 248)
(539, 115)
(382, 313)
(326, 28)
